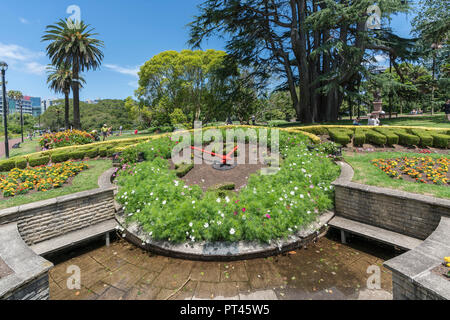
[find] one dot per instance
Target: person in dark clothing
(447, 109)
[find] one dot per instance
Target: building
(27, 106)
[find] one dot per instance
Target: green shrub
(376, 137)
(318, 131)
(92, 153)
(391, 137)
(426, 139)
(439, 140)
(39, 161)
(359, 138)
(7, 165)
(406, 139)
(103, 152)
(77, 155)
(62, 156)
(341, 136)
(184, 169)
(21, 163)
(226, 186)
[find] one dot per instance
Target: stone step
(392, 238)
(75, 237)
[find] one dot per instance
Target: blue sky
(133, 32)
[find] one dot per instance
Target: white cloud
(128, 71)
(17, 53)
(380, 58)
(24, 21)
(35, 68)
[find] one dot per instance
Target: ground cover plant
(65, 139)
(84, 180)
(367, 173)
(268, 207)
(421, 169)
(42, 178)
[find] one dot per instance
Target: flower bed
(421, 169)
(65, 139)
(269, 207)
(43, 178)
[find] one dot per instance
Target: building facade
(30, 105)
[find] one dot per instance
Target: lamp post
(21, 117)
(3, 68)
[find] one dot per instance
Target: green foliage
(77, 155)
(7, 165)
(426, 139)
(392, 138)
(360, 137)
(269, 207)
(341, 136)
(61, 156)
(376, 138)
(441, 140)
(184, 169)
(21, 163)
(225, 186)
(38, 161)
(407, 139)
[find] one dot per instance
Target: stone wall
(410, 214)
(48, 219)
(35, 290)
(412, 273)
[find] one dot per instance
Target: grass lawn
(367, 173)
(25, 148)
(85, 180)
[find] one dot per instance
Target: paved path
(11, 143)
(326, 270)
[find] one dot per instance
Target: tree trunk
(76, 97)
(66, 110)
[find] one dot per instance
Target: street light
(3, 68)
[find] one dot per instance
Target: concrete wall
(410, 214)
(35, 290)
(48, 219)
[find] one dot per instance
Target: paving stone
(206, 271)
(174, 275)
(233, 272)
(125, 278)
(112, 294)
(217, 291)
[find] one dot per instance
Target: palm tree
(60, 80)
(73, 44)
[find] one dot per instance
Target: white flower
(219, 223)
(193, 202)
(292, 193)
(302, 196)
(191, 224)
(303, 170)
(151, 194)
(164, 202)
(218, 200)
(232, 231)
(150, 234)
(227, 199)
(133, 192)
(206, 225)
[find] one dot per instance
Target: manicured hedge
(376, 138)
(406, 138)
(38, 161)
(21, 163)
(77, 155)
(391, 137)
(440, 140)
(62, 156)
(183, 170)
(360, 137)
(7, 165)
(426, 139)
(341, 136)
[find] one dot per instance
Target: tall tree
(318, 46)
(17, 96)
(74, 44)
(60, 80)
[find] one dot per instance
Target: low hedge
(22, 163)
(360, 137)
(440, 140)
(77, 155)
(426, 139)
(7, 165)
(38, 161)
(376, 138)
(341, 136)
(58, 157)
(407, 139)
(391, 137)
(183, 170)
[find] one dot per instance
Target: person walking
(105, 130)
(120, 129)
(447, 109)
